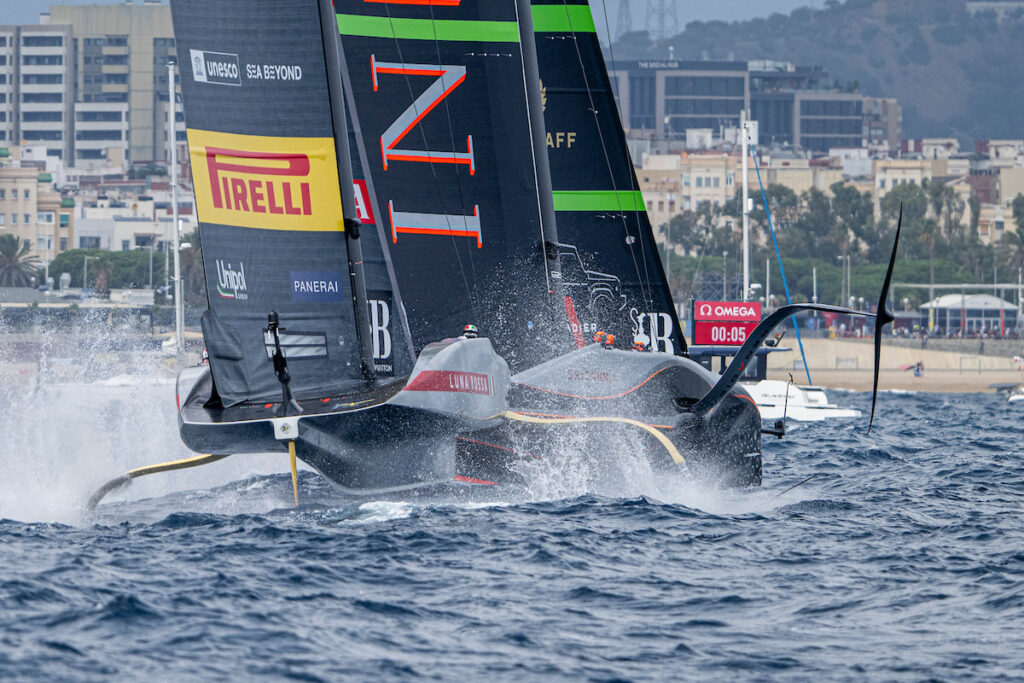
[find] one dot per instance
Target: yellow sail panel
(271, 183)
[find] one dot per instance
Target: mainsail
(609, 259)
(262, 146)
(438, 92)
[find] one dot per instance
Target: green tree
(17, 265)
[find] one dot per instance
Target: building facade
(121, 59)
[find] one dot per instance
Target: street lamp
(85, 270)
(725, 255)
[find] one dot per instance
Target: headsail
(262, 147)
(438, 92)
(609, 259)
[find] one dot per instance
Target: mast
(746, 207)
(542, 167)
(332, 47)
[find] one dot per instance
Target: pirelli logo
(265, 182)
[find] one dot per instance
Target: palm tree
(17, 265)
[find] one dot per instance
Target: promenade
(846, 364)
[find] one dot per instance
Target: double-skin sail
(262, 146)
(608, 257)
(438, 94)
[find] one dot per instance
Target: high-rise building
(36, 87)
(121, 59)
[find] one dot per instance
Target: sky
(27, 11)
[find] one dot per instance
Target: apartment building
(121, 59)
(36, 87)
(32, 211)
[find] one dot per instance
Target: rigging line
(639, 214)
(426, 146)
(533, 156)
(700, 260)
(782, 270)
(645, 280)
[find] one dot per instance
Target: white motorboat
(777, 399)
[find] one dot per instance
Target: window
(716, 181)
(700, 181)
(98, 115)
(3, 218)
(40, 243)
(28, 194)
(3, 78)
(43, 41)
(3, 195)
(3, 41)
(45, 217)
(3, 116)
(32, 97)
(42, 60)
(999, 226)
(686, 180)
(881, 183)
(28, 218)
(63, 243)
(115, 59)
(661, 205)
(65, 220)
(91, 242)
(116, 78)
(34, 116)
(98, 135)
(14, 219)
(729, 180)
(3, 97)
(42, 79)
(126, 245)
(3, 60)
(42, 134)
(117, 40)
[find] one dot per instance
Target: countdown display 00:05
(728, 333)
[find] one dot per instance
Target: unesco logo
(215, 67)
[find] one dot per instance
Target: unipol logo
(394, 147)
(231, 282)
(215, 67)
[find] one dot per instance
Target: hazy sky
(27, 11)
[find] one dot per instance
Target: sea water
(902, 558)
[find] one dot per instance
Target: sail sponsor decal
(381, 330)
(451, 381)
(435, 224)
(653, 330)
(448, 78)
(364, 207)
(220, 68)
(231, 280)
(272, 183)
(324, 286)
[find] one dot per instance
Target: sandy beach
(847, 365)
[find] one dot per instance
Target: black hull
(593, 400)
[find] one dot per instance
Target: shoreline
(837, 364)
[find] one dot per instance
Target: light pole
(725, 296)
(85, 271)
(179, 307)
(745, 206)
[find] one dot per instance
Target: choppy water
(902, 559)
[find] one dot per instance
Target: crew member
(470, 332)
